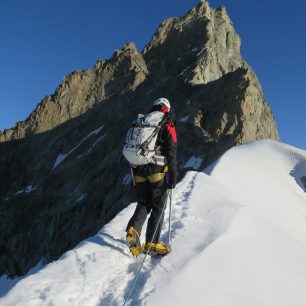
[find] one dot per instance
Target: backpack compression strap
(145, 145)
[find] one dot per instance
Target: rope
(138, 272)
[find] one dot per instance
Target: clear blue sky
(42, 41)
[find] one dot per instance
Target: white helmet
(162, 101)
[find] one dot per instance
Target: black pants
(151, 198)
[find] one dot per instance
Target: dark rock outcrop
(62, 175)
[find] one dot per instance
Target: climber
(153, 177)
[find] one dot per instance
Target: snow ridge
(238, 234)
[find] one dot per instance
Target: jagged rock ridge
(62, 172)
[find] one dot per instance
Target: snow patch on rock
(193, 162)
(61, 157)
(184, 119)
(28, 189)
(127, 179)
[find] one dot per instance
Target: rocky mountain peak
(206, 46)
(81, 90)
(130, 48)
(62, 175)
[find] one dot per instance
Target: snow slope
(238, 238)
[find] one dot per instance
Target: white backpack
(141, 138)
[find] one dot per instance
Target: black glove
(171, 186)
(171, 183)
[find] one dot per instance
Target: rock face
(80, 91)
(62, 175)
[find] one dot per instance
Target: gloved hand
(171, 186)
(171, 183)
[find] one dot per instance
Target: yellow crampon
(156, 249)
(132, 238)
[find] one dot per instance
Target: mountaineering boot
(156, 249)
(132, 238)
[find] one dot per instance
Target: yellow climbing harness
(153, 178)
